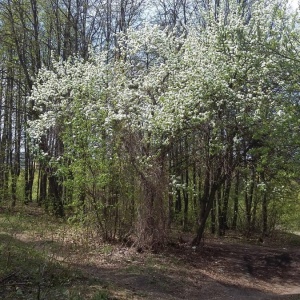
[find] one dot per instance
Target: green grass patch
(33, 248)
(26, 273)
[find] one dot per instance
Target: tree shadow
(152, 283)
(246, 263)
(28, 273)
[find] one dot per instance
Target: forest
(137, 118)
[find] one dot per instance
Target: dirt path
(219, 270)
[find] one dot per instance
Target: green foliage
(289, 213)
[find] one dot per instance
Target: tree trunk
(265, 214)
(249, 201)
(223, 225)
(212, 184)
(202, 222)
(236, 201)
(55, 195)
(152, 218)
(213, 216)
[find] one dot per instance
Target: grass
(34, 262)
(27, 273)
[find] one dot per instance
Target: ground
(45, 259)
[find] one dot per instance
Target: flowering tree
(219, 88)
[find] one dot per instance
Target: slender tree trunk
(264, 210)
(265, 214)
(185, 210)
(15, 168)
(254, 210)
(171, 198)
(236, 201)
(223, 226)
(185, 191)
(213, 216)
(249, 201)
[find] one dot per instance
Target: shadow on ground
(216, 271)
(146, 284)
